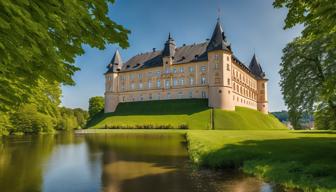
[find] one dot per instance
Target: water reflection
(111, 163)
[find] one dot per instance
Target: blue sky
(250, 26)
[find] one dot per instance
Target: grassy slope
(303, 160)
(244, 118)
(192, 112)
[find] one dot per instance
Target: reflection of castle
(205, 70)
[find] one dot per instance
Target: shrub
(145, 126)
(28, 120)
(5, 124)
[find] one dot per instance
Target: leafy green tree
(72, 118)
(40, 39)
(5, 124)
(96, 105)
(308, 68)
(28, 120)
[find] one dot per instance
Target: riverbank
(294, 159)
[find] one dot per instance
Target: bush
(5, 124)
(96, 105)
(28, 120)
(145, 126)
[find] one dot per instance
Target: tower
(167, 58)
(220, 65)
(111, 83)
(262, 100)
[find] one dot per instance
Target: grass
(245, 119)
(174, 113)
(295, 159)
(182, 113)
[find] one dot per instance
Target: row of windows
(243, 101)
(158, 96)
(191, 69)
(243, 91)
(167, 83)
(241, 77)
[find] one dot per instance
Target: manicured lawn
(245, 119)
(191, 112)
(296, 159)
(194, 113)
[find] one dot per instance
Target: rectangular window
(181, 69)
(203, 68)
(131, 76)
(158, 83)
(181, 81)
(140, 76)
(167, 83)
(158, 73)
(191, 80)
(191, 69)
(203, 80)
(228, 81)
(168, 95)
(167, 71)
(190, 94)
(228, 67)
(132, 86)
(216, 65)
(203, 94)
(175, 82)
(140, 86)
(149, 74)
(174, 70)
(149, 84)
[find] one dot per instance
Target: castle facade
(207, 70)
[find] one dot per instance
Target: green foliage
(244, 118)
(40, 39)
(194, 113)
(324, 118)
(5, 124)
(96, 105)
(308, 70)
(295, 159)
(28, 120)
(71, 119)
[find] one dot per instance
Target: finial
(219, 14)
(169, 37)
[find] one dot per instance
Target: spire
(218, 40)
(115, 63)
(256, 68)
(169, 48)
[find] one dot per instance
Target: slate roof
(183, 54)
(218, 40)
(115, 63)
(255, 68)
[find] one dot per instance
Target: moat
(116, 163)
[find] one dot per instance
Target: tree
(96, 105)
(308, 68)
(28, 120)
(40, 40)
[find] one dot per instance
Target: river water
(111, 163)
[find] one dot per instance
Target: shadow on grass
(306, 163)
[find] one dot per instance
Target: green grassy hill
(194, 113)
(244, 118)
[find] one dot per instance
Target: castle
(205, 70)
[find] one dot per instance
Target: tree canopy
(308, 68)
(40, 40)
(96, 105)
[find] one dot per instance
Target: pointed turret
(218, 40)
(256, 68)
(115, 63)
(169, 48)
